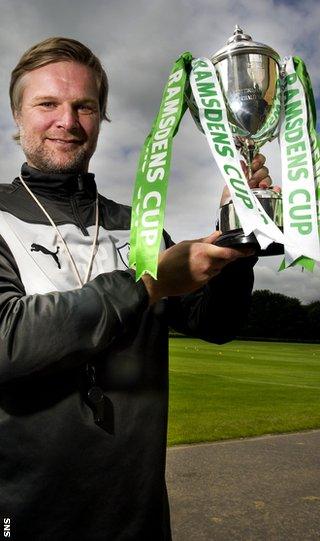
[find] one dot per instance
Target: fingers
(230, 254)
(258, 161)
(219, 257)
(260, 179)
(211, 239)
(226, 252)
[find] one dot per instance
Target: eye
(86, 108)
(47, 104)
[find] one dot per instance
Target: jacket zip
(76, 214)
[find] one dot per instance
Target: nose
(67, 117)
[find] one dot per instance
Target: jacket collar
(64, 184)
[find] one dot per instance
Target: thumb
(211, 239)
(244, 168)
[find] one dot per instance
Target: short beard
(46, 161)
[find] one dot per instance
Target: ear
(16, 117)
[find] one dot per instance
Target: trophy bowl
(250, 77)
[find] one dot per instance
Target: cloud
(292, 282)
(138, 42)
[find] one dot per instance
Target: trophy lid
(240, 43)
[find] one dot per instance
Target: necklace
(95, 394)
(94, 242)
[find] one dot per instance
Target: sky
(137, 42)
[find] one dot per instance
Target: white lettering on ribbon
(298, 182)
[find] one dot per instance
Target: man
(83, 347)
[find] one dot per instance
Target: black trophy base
(237, 239)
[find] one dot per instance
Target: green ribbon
(150, 191)
(301, 71)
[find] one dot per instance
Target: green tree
(312, 311)
(274, 315)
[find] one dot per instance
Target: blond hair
(54, 50)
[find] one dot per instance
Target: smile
(66, 141)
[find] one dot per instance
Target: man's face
(59, 117)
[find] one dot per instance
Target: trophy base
(237, 239)
(230, 226)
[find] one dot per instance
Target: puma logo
(39, 248)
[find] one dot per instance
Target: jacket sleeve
(59, 329)
(217, 311)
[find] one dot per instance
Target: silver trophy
(250, 78)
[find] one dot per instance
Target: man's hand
(188, 265)
(260, 176)
(260, 173)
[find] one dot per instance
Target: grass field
(241, 389)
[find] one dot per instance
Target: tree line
(276, 316)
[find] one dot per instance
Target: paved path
(265, 488)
